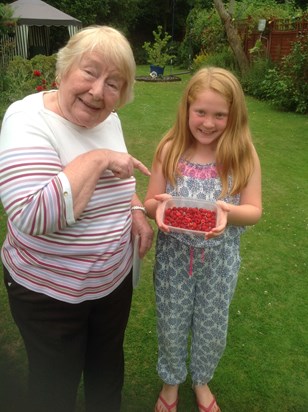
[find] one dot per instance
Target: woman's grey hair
(111, 44)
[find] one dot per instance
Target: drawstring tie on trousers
(191, 260)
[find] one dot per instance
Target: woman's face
(88, 93)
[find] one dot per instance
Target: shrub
(204, 32)
(23, 77)
(224, 59)
(286, 86)
(251, 81)
(159, 52)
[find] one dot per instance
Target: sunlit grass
(264, 368)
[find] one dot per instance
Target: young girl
(208, 154)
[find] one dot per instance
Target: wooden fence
(277, 38)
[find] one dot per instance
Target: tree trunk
(232, 34)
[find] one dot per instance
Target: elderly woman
(68, 189)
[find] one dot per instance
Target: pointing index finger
(141, 167)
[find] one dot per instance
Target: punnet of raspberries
(190, 218)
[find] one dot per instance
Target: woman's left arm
(141, 227)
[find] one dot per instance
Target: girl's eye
(220, 115)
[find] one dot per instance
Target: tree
(232, 34)
(85, 11)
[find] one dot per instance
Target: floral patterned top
(201, 181)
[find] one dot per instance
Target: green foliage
(284, 85)
(251, 81)
(85, 11)
(20, 80)
(294, 71)
(159, 51)
(224, 58)
(264, 9)
(7, 22)
(205, 33)
(185, 54)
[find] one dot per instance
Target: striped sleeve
(31, 191)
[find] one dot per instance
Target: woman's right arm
(34, 185)
(85, 170)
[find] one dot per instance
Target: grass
(264, 367)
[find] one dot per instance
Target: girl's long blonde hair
(234, 153)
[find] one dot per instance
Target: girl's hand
(162, 198)
(222, 219)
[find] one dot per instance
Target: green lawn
(264, 368)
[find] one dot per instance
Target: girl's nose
(208, 121)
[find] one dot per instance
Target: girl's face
(88, 93)
(208, 117)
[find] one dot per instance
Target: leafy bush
(23, 77)
(251, 81)
(252, 11)
(159, 52)
(27, 76)
(204, 32)
(225, 58)
(284, 85)
(294, 72)
(184, 54)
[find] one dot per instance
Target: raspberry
(190, 218)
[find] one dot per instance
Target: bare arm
(142, 228)
(157, 186)
(250, 209)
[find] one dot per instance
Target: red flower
(39, 88)
(37, 73)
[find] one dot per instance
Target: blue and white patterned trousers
(194, 288)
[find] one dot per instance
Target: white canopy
(38, 16)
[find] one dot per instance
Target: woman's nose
(97, 89)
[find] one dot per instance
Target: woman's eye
(89, 72)
(113, 85)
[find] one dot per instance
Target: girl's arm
(249, 211)
(157, 186)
